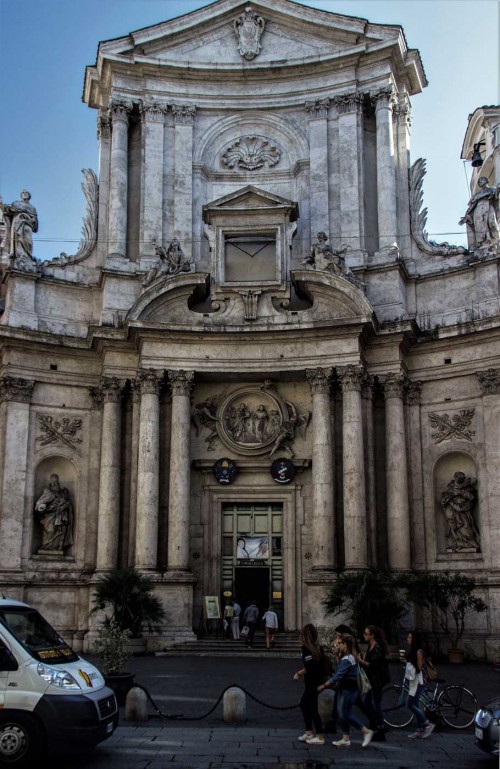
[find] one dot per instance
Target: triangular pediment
(290, 32)
(250, 197)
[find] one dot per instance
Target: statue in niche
(249, 28)
(54, 512)
(170, 262)
(458, 500)
(21, 221)
(323, 257)
(481, 218)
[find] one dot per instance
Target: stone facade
(255, 340)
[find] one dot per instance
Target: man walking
(250, 618)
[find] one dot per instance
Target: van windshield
(36, 635)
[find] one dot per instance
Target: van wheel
(21, 741)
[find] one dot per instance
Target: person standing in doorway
(270, 620)
(250, 618)
(235, 624)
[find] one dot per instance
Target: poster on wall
(212, 607)
(256, 548)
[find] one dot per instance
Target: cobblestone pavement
(190, 686)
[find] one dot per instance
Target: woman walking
(346, 681)
(376, 667)
(414, 675)
(313, 674)
(270, 620)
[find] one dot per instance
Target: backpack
(431, 672)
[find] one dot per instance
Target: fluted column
(355, 551)
(323, 518)
(148, 466)
(398, 511)
(15, 397)
(108, 525)
(184, 115)
(352, 223)
(104, 136)
(371, 501)
(386, 170)
(118, 182)
(151, 225)
(318, 164)
(180, 471)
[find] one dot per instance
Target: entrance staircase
(286, 646)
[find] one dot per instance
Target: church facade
(257, 369)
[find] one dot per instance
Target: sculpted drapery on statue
(323, 257)
(481, 217)
(21, 221)
(54, 512)
(458, 500)
(171, 262)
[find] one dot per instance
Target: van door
(7, 663)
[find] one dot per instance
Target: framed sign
(282, 470)
(225, 470)
(255, 548)
(212, 607)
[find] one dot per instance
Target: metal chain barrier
(181, 717)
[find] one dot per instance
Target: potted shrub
(449, 597)
(126, 596)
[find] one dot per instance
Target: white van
(51, 700)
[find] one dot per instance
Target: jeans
(412, 703)
(309, 707)
(346, 700)
(251, 633)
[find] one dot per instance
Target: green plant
(112, 648)
(374, 596)
(129, 595)
(449, 597)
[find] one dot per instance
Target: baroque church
(257, 370)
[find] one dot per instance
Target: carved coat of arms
(249, 28)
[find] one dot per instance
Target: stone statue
(54, 512)
(458, 500)
(21, 221)
(204, 414)
(249, 28)
(323, 257)
(481, 217)
(170, 262)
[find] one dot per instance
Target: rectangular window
(249, 258)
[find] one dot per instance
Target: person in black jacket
(374, 663)
(313, 672)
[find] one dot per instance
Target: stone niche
(444, 472)
(67, 475)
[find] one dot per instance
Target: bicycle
(454, 704)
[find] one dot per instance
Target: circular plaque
(282, 470)
(225, 470)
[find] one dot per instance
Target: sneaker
(318, 740)
(342, 743)
(306, 736)
(428, 729)
(367, 738)
(416, 735)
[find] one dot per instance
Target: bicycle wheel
(457, 707)
(396, 714)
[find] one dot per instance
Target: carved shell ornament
(250, 153)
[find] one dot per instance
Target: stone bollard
(136, 705)
(325, 706)
(234, 706)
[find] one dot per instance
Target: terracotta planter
(121, 683)
(456, 656)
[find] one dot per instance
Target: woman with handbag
(346, 681)
(375, 665)
(414, 676)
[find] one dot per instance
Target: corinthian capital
(319, 379)
(394, 385)
(184, 113)
(317, 108)
(412, 393)
(119, 109)
(384, 98)
(103, 126)
(153, 111)
(489, 381)
(149, 381)
(348, 102)
(111, 389)
(15, 389)
(181, 382)
(351, 377)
